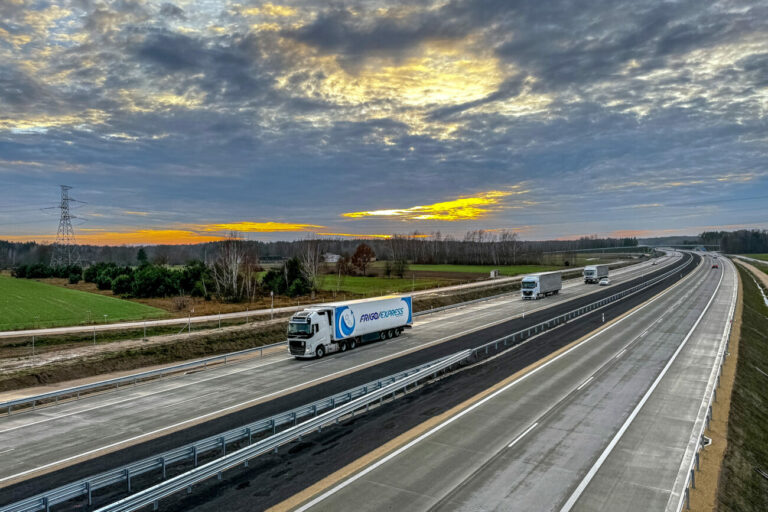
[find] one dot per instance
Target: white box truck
(324, 329)
(594, 273)
(539, 285)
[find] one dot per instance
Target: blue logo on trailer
(407, 300)
(345, 322)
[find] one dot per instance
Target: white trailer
(324, 329)
(539, 285)
(594, 273)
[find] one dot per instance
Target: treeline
(475, 247)
(743, 241)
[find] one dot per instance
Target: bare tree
(363, 257)
(232, 260)
(310, 256)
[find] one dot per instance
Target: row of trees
(492, 247)
(743, 241)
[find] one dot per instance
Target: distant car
(715, 266)
(655, 262)
(605, 282)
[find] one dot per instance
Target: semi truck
(539, 285)
(340, 326)
(594, 273)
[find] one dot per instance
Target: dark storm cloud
(353, 37)
(19, 90)
(169, 10)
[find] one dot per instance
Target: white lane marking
(603, 456)
(584, 383)
(394, 355)
(7, 450)
(143, 395)
(510, 445)
(471, 408)
(620, 354)
(370, 363)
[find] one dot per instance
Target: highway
(117, 326)
(48, 439)
(603, 426)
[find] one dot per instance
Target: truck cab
(529, 287)
(309, 330)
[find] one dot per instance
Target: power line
(65, 250)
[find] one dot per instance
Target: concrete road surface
(537, 442)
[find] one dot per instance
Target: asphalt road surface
(542, 441)
(66, 435)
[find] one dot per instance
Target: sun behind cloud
(463, 208)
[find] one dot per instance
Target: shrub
(122, 285)
(74, 278)
(299, 287)
(103, 281)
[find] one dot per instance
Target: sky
(179, 122)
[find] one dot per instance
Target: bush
(299, 287)
(103, 281)
(155, 281)
(122, 285)
(74, 278)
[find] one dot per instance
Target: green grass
(741, 486)
(763, 257)
(22, 300)
(505, 270)
(376, 285)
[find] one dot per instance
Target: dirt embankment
(743, 479)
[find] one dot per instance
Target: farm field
(377, 285)
(505, 270)
(28, 304)
(763, 257)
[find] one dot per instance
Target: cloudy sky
(180, 121)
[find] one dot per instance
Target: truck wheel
(351, 344)
(320, 352)
(383, 335)
(390, 334)
(343, 346)
(397, 332)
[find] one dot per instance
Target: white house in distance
(329, 257)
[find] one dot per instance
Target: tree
(310, 255)
(362, 257)
(142, 258)
(400, 267)
(287, 280)
(388, 268)
(103, 281)
(235, 268)
(122, 285)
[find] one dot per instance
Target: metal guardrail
(218, 443)
(370, 392)
(130, 379)
(710, 395)
(522, 335)
(215, 468)
(152, 495)
(135, 378)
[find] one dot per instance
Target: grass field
(27, 304)
(763, 257)
(743, 485)
(377, 285)
(505, 270)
